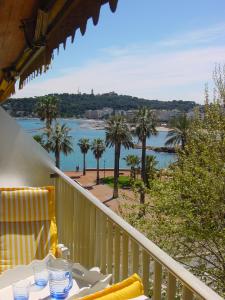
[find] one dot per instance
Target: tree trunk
(143, 160)
(182, 143)
(57, 159)
(143, 169)
(84, 165)
(97, 181)
(116, 171)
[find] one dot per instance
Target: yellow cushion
(129, 288)
(27, 225)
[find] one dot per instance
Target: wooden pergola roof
(31, 30)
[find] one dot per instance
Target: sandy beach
(100, 125)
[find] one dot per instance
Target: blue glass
(40, 274)
(60, 278)
(21, 290)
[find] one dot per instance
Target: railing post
(186, 293)
(125, 256)
(117, 255)
(157, 281)
(135, 257)
(109, 247)
(103, 243)
(145, 269)
(171, 289)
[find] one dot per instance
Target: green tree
(151, 169)
(117, 135)
(178, 134)
(40, 139)
(59, 140)
(98, 148)
(132, 161)
(186, 214)
(84, 147)
(47, 109)
(145, 126)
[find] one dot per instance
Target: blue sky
(152, 49)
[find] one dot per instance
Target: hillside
(71, 105)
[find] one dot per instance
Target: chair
(27, 225)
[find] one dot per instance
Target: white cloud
(145, 71)
(178, 75)
(200, 36)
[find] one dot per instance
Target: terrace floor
(102, 191)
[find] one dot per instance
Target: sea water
(81, 128)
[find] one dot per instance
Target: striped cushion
(27, 226)
(25, 206)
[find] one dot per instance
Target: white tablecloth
(35, 293)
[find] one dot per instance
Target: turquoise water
(80, 129)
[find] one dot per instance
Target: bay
(81, 128)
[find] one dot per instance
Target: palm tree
(178, 135)
(151, 168)
(145, 126)
(117, 135)
(39, 139)
(133, 162)
(47, 109)
(98, 147)
(59, 140)
(84, 147)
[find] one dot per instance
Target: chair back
(27, 225)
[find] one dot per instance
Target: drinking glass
(40, 274)
(21, 290)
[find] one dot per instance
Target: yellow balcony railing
(97, 236)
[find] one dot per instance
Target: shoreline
(91, 123)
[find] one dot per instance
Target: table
(84, 282)
(36, 293)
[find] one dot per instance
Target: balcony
(95, 235)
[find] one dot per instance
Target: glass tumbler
(21, 290)
(40, 274)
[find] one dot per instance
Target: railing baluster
(81, 220)
(171, 289)
(92, 236)
(86, 232)
(117, 255)
(157, 281)
(75, 225)
(186, 293)
(125, 256)
(109, 247)
(145, 268)
(135, 257)
(103, 243)
(98, 240)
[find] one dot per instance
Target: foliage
(47, 109)
(151, 169)
(40, 139)
(117, 135)
(187, 210)
(145, 126)
(84, 147)
(123, 181)
(178, 135)
(98, 148)
(59, 140)
(71, 105)
(132, 161)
